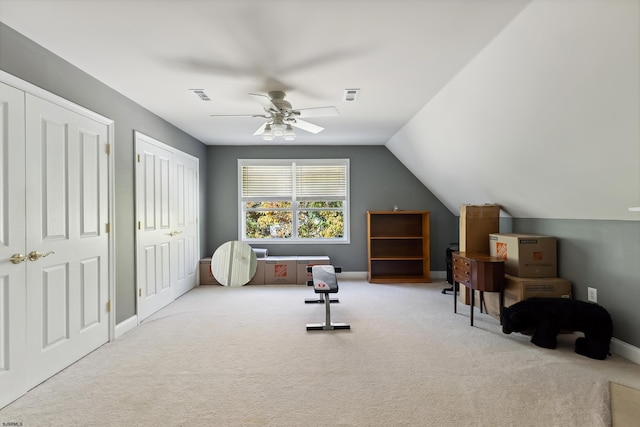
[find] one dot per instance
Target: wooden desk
(479, 272)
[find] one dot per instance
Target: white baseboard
(625, 350)
(125, 326)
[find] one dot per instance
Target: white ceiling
(399, 53)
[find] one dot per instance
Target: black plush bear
(546, 317)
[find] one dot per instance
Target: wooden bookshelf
(398, 246)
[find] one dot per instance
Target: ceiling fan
(282, 118)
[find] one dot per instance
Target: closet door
(156, 260)
(12, 245)
(186, 230)
(168, 233)
(67, 215)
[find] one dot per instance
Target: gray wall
(30, 62)
(378, 181)
(600, 254)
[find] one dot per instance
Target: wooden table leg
(473, 294)
(455, 309)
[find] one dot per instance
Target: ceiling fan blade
(239, 115)
(309, 127)
(265, 101)
(317, 112)
(260, 130)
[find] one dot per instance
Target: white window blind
(312, 181)
(321, 182)
(267, 181)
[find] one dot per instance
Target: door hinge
(139, 292)
(139, 225)
(108, 228)
(108, 148)
(138, 158)
(109, 306)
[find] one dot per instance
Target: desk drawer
(461, 269)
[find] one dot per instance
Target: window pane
(307, 205)
(268, 205)
(268, 224)
(320, 224)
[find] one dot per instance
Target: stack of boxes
(530, 260)
(272, 270)
(530, 263)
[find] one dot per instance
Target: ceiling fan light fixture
(289, 135)
(277, 127)
(267, 135)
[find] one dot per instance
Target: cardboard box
(521, 288)
(206, 277)
(303, 262)
(525, 255)
(477, 222)
(258, 278)
(280, 270)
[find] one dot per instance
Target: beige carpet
(242, 357)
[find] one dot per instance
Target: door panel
(186, 226)
(55, 307)
(89, 275)
(12, 231)
(153, 190)
(67, 213)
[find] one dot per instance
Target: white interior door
(12, 242)
(186, 230)
(155, 256)
(67, 215)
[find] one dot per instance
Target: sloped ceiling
(545, 120)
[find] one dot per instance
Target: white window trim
(346, 239)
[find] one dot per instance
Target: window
(294, 201)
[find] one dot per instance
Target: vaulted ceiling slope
(545, 120)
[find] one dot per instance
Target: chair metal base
(320, 300)
(324, 327)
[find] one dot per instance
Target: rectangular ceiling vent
(350, 95)
(200, 92)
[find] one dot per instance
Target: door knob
(175, 233)
(17, 258)
(35, 255)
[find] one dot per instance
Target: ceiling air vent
(200, 92)
(351, 95)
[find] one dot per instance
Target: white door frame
(27, 87)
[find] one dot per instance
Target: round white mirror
(234, 264)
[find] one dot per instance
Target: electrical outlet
(592, 294)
